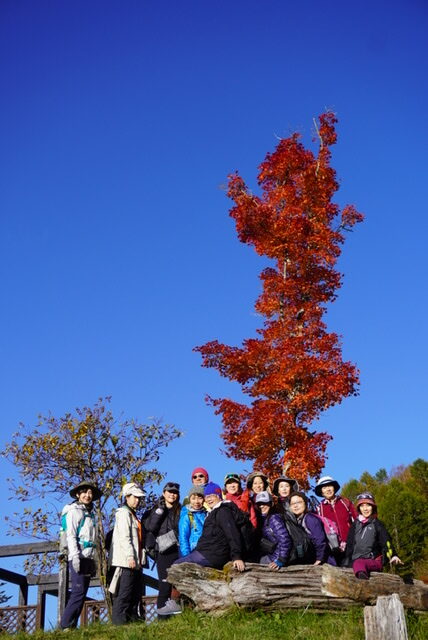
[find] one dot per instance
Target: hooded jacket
(81, 531)
(220, 541)
(125, 543)
(190, 528)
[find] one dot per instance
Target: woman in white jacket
(126, 556)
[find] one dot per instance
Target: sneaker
(170, 608)
(362, 575)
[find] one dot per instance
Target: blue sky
(120, 122)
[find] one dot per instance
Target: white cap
(132, 489)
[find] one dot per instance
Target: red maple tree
(294, 369)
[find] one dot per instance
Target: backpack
(302, 551)
(245, 528)
(331, 531)
(63, 546)
(149, 539)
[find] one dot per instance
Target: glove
(75, 562)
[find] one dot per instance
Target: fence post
(386, 620)
(62, 588)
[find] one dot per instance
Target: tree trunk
(385, 621)
(320, 587)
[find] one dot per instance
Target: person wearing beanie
(336, 508)
(192, 518)
(162, 524)
(199, 477)
(233, 492)
(220, 541)
(275, 542)
(318, 550)
(369, 545)
(127, 557)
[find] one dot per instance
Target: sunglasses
(232, 476)
(171, 486)
(365, 496)
(199, 475)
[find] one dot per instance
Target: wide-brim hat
(86, 484)
(324, 482)
(294, 485)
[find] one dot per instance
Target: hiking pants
(164, 561)
(128, 597)
(195, 557)
(367, 564)
(79, 588)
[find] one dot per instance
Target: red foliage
(294, 369)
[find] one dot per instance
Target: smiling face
(232, 488)
(85, 496)
(365, 509)
(297, 505)
(284, 489)
(212, 499)
(196, 501)
(258, 485)
(328, 491)
(170, 498)
(199, 479)
(132, 501)
(264, 508)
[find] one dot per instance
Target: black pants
(164, 561)
(128, 597)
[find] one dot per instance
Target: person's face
(258, 485)
(284, 489)
(196, 501)
(366, 510)
(212, 499)
(170, 498)
(297, 505)
(328, 491)
(232, 488)
(199, 479)
(85, 496)
(264, 508)
(132, 501)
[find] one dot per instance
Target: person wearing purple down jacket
(275, 543)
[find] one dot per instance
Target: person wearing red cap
(369, 546)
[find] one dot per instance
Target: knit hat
(199, 470)
(232, 477)
(263, 498)
(365, 498)
(172, 487)
(132, 489)
(294, 485)
(196, 491)
(86, 484)
(324, 482)
(212, 488)
(257, 474)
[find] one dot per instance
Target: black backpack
(246, 529)
(303, 551)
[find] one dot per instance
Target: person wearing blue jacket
(275, 543)
(192, 518)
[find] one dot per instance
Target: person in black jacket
(162, 522)
(369, 545)
(220, 541)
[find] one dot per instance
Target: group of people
(272, 523)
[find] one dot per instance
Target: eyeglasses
(199, 475)
(296, 502)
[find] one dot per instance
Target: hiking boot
(361, 575)
(170, 608)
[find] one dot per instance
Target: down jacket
(274, 529)
(125, 543)
(190, 528)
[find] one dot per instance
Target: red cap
(199, 470)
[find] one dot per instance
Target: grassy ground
(239, 625)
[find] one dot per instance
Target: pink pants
(367, 564)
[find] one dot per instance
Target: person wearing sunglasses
(162, 523)
(199, 477)
(369, 545)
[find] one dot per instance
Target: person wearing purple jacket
(313, 527)
(275, 543)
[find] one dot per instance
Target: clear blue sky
(120, 121)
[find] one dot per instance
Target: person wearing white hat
(127, 556)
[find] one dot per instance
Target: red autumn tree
(294, 369)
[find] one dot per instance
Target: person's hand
(273, 566)
(75, 563)
(342, 545)
(239, 565)
(131, 563)
(317, 562)
(395, 560)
